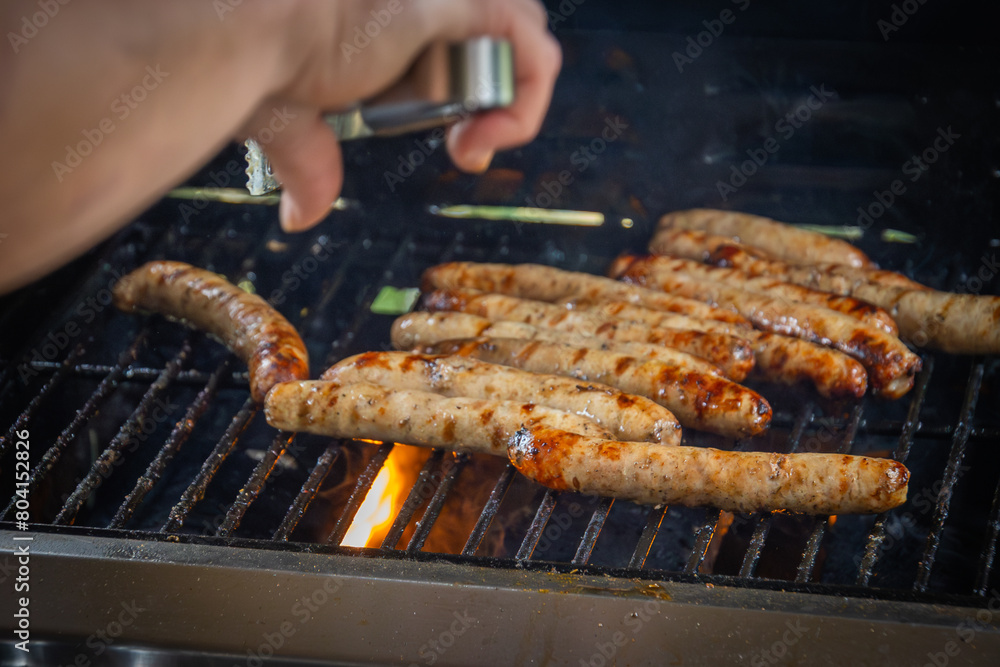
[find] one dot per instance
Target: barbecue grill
(170, 523)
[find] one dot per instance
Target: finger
(306, 158)
(537, 59)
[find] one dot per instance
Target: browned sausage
(628, 417)
(835, 278)
(705, 402)
(423, 328)
(734, 481)
(695, 244)
(546, 283)
(677, 243)
(890, 365)
(958, 323)
(777, 358)
(366, 410)
(793, 360)
(258, 334)
(730, 353)
(777, 239)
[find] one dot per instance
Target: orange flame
(384, 499)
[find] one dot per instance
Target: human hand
(305, 154)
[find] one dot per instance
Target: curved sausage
(792, 360)
(246, 324)
(546, 283)
(735, 481)
(366, 410)
(422, 328)
(834, 278)
(957, 323)
(628, 417)
(777, 239)
(703, 247)
(890, 364)
(730, 353)
(705, 402)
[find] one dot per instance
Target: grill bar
(950, 478)
(593, 531)
(646, 538)
(54, 381)
(990, 548)
(103, 390)
(360, 490)
(703, 538)
(133, 428)
(178, 436)
(196, 490)
(489, 511)
(414, 500)
(451, 469)
(537, 525)
(763, 522)
(308, 492)
(252, 489)
(808, 563)
(873, 548)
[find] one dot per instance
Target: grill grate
(190, 467)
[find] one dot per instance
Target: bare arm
(111, 102)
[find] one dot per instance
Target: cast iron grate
(152, 434)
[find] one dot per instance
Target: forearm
(97, 111)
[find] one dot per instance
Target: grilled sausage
(958, 323)
(735, 481)
(422, 328)
(704, 402)
(248, 325)
(546, 283)
(777, 239)
(730, 353)
(366, 410)
(695, 244)
(890, 365)
(777, 358)
(627, 417)
(677, 243)
(792, 360)
(835, 278)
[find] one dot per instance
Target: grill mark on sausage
(248, 325)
